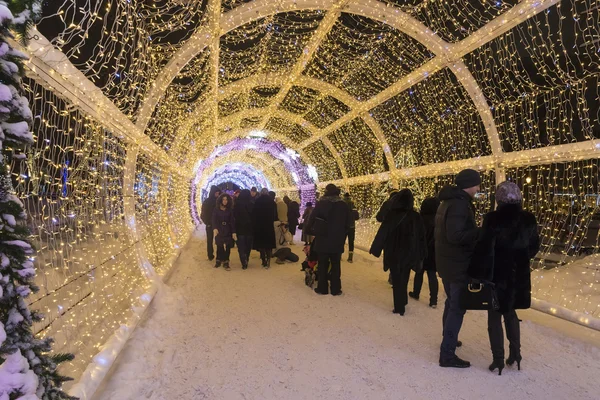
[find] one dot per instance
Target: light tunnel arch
(284, 166)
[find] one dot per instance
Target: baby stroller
(309, 265)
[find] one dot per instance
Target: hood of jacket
(429, 206)
(403, 201)
(213, 190)
(453, 192)
(229, 201)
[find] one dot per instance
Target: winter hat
(508, 193)
(332, 190)
(467, 178)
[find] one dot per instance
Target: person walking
(306, 238)
(206, 213)
(223, 223)
(242, 211)
(293, 215)
(401, 237)
(456, 234)
(352, 230)
(329, 222)
(429, 208)
(516, 242)
(263, 217)
(254, 195)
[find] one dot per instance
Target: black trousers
(265, 256)
(210, 237)
(400, 279)
(223, 251)
(433, 285)
(351, 236)
(327, 260)
(513, 333)
(244, 245)
(452, 319)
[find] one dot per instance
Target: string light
(389, 111)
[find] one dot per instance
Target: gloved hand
(215, 232)
(234, 237)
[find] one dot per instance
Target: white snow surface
(256, 334)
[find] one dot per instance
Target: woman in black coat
(263, 217)
(516, 242)
(428, 210)
(402, 239)
(242, 211)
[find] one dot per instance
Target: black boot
(498, 363)
(218, 264)
(413, 295)
(512, 358)
(350, 257)
(226, 266)
(454, 363)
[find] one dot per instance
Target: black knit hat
(467, 178)
(332, 190)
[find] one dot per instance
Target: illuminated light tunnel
(220, 167)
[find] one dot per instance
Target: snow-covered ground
(255, 334)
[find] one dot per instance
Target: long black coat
(263, 216)
(339, 221)
(515, 241)
(429, 208)
(401, 236)
(293, 213)
(242, 211)
(385, 208)
(456, 234)
(208, 206)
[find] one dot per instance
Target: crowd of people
(446, 240)
(250, 220)
(443, 239)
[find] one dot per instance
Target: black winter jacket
(242, 211)
(456, 234)
(263, 216)
(514, 238)
(401, 236)
(339, 221)
(208, 206)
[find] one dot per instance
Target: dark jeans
(223, 251)
(433, 285)
(210, 237)
(351, 236)
(400, 279)
(244, 245)
(452, 319)
(513, 333)
(334, 275)
(285, 254)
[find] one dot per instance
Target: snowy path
(255, 334)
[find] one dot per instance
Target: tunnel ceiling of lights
(362, 90)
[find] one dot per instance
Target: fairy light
(389, 108)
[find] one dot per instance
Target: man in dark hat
(329, 223)
(456, 234)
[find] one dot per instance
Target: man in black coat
(329, 222)
(208, 206)
(456, 234)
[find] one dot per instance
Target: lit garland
(540, 80)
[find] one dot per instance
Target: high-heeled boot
(512, 358)
(499, 364)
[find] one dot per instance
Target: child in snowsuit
(223, 223)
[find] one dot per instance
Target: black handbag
(479, 295)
